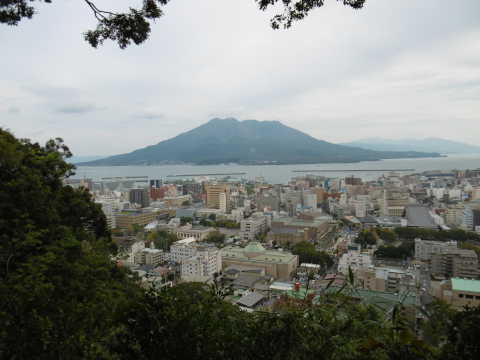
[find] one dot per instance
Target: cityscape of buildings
(247, 235)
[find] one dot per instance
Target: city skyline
(393, 70)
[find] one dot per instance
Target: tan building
(176, 201)
(126, 219)
(312, 228)
(396, 211)
(455, 263)
(460, 292)
(215, 196)
(283, 236)
(454, 215)
(385, 279)
(199, 233)
(278, 264)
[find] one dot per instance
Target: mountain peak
(229, 140)
(230, 120)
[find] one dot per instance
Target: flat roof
(278, 285)
(469, 285)
(153, 251)
(186, 241)
(269, 256)
(419, 216)
(250, 299)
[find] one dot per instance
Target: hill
(78, 159)
(441, 146)
(247, 142)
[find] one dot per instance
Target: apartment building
(268, 200)
(455, 263)
(217, 195)
(127, 218)
(108, 210)
(424, 249)
(148, 256)
(205, 262)
(385, 279)
(471, 217)
(254, 225)
(139, 196)
(182, 249)
(454, 215)
(354, 260)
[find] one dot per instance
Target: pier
(213, 174)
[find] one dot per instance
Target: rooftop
(255, 252)
(250, 299)
(419, 216)
(382, 299)
(459, 284)
(288, 221)
(186, 241)
(254, 246)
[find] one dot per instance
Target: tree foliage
(134, 25)
(295, 10)
(215, 237)
(61, 297)
(185, 219)
(59, 290)
(366, 238)
(439, 235)
(307, 253)
(162, 239)
(386, 235)
(405, 250)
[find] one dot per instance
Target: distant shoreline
(260, 163)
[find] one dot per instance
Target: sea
(281, 174)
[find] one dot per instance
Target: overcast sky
(397, 68)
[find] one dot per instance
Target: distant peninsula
(442, 146)
(248, 142)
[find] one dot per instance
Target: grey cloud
(13, 110)
(49, 91)
(77, 109)
(150, 116)
(338, 75)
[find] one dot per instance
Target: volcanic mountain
(248, 142)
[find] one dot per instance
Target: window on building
(469, 296)
(460, 295)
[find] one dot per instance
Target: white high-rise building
(354, 260)
(107, 208)
(360, 209)
(133, 250)
(203, 264)
(223, 202)
(310, 200)
(182, 249)
(198, 261)
(252, 226)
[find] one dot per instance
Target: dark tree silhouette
(135, 25)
